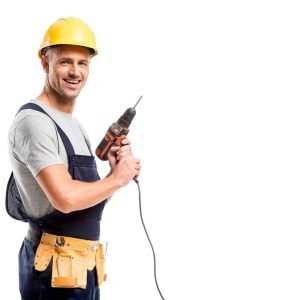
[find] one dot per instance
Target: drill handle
(119, 140)
(110, 139)
(104, 146)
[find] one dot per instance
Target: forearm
(81, 195)
(66, 194)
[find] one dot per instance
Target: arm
(67, 195)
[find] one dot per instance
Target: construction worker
(55, 185)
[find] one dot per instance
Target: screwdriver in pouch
(116, 132)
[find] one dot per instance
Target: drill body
(116, 133)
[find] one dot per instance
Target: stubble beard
(67, 95)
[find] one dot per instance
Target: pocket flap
(100, 265)
(43, 257)
(64, 282)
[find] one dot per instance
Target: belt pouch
(100, 265)
(43, 256)
(71, 261)
(69, 269)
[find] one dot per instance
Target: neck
(55, 101)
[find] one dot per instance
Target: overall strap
(86, 141)
(68, 146)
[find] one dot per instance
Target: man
(58, 188)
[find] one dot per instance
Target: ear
(45, 64)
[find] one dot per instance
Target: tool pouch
(100, 265)
(43, 256)
(70, 264)
(69, 269)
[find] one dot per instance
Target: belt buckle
(60, 241)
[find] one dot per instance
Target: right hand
(124, 166)
(116, 152)
(126, 169)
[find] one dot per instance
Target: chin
(72, 95)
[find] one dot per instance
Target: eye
(64, 62)
(83, 63)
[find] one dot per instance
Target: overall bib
(83, 225)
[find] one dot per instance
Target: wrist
(116, 182)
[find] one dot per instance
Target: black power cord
(153, 252)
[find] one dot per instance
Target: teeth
(72, 81)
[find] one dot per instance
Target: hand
(112, 157)
(126, 169)
(123, 164)
(117, 152)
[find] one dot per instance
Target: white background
(217, 132)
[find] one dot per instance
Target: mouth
(71, 83)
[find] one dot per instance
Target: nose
(74, 70)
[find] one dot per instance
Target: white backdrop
(217, 132)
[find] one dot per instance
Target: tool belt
(72, 258)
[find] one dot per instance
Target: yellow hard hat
(69, 31)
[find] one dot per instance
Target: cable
(153, 252)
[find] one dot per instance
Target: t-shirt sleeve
(36, 143)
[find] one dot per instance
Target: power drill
(116, 132)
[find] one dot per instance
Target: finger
(124, 150)
(125, 142)
(124, 155)
(114, 149)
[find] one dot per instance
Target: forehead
(71, 51)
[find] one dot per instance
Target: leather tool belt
(72, 258)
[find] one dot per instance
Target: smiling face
(67, 69)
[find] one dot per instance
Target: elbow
(64, 203)
(64, 209)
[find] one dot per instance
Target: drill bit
(138, 102)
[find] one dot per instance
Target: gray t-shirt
(35, 144)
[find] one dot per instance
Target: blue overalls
(83, 224)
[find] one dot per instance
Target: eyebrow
(71, 59)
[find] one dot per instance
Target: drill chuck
(126, 119)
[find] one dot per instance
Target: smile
(72, 81)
